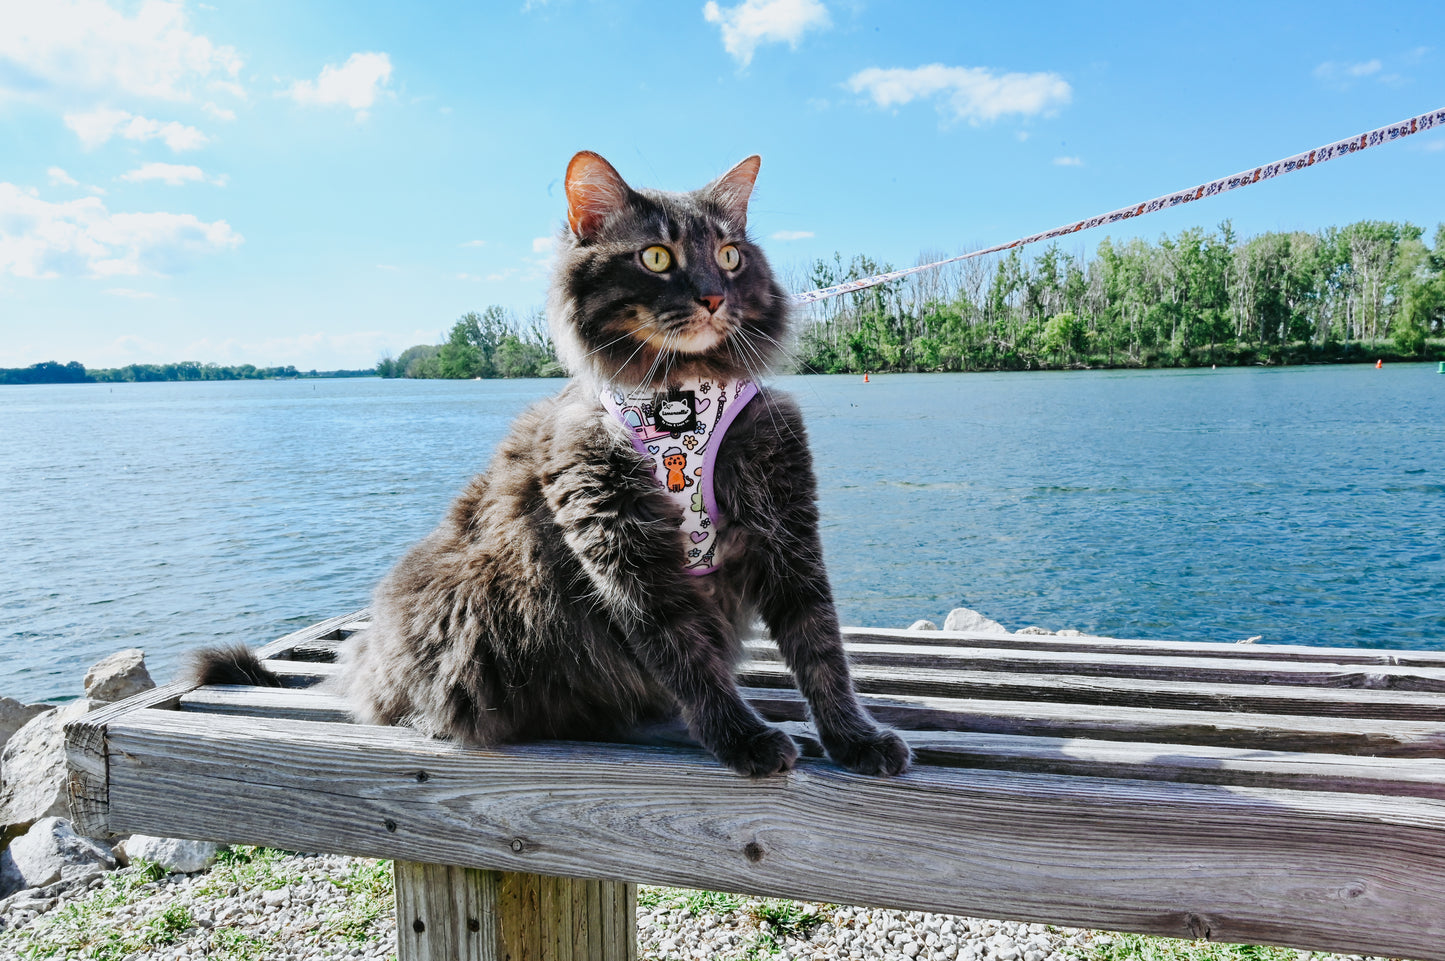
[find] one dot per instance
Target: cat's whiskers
(594, 350)
(618, 373)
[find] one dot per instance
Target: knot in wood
(390, 825)
(1198, 927)
(473, 925)
(422, 777)
(519, 845)
(418, 925)
(753, 851)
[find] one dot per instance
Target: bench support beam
(462, 914)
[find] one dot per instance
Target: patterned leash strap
(1372, 138)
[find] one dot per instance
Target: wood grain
(1146, 648)
(1276, 732)
(464, 914)
(1214, 670)
(86, 757)
(1320, 870)
(1133, 692)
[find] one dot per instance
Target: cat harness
(679, 430)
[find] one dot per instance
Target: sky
(323, 184)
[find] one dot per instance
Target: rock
(118, 677)
(186, 857)
(14, 716)
(33, 770)
(923, 625)
(49, 852)
(967, 619)
(1068, 632)
(1033, 629)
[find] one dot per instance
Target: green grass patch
(698, 902)
(1143, 947)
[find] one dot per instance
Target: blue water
(1306, 505)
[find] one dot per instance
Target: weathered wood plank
(447, 913)
(1077, 689)
(319, 632)
(1352, 873)
(1180, 763)
(1147, 648)
(1215, 670)
(302, 673)
(86, 757)
(240, 699)
(1328, 735)
(1277, 732)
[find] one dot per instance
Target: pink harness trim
(680, 430)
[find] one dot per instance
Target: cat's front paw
(877, 752)
(758, 753)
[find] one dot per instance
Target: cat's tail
(231, 664)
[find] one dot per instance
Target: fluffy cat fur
(551, 601)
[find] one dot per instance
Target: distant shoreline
(53, 373)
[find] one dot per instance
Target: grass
(1143, 947)
(85, 928)
(779, 920)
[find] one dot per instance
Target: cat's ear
(732, 190)
(595, 190)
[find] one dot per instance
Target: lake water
(1306, 505)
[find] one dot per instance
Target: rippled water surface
(1305, 504)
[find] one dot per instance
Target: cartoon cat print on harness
(676, 461)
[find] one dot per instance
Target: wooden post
(462, 914)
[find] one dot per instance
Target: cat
(559, 598)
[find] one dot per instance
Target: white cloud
(220, 113)
(44, 240)
(59, 178)
(355, 84)
(756, 22)
(1068, 162)
(543, 245)
(471, 277)
(173, 174)
(130, 294)
(1340, 74)
(793, 235)
(88, 46)
(975, 94)
(474, 243)
(98, 126)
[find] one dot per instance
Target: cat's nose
(711, 301)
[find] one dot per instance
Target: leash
(1340, 148)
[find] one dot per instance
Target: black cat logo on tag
(675, 412)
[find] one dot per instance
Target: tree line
(1370, 289)
(493, 343)
(51, 372)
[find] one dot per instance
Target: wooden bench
(1249, 793)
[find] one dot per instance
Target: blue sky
(321, 183)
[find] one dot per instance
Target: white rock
(173, 854)
(967, 619)
(1034, 629)
(14, 716)
(923, 625)
(118, 677)
(49, 852)
(34, 774)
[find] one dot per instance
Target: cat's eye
(728, 257)
(657, 259)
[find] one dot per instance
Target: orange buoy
(865, 378)
(1379, 364)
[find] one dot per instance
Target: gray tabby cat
(552, 601)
